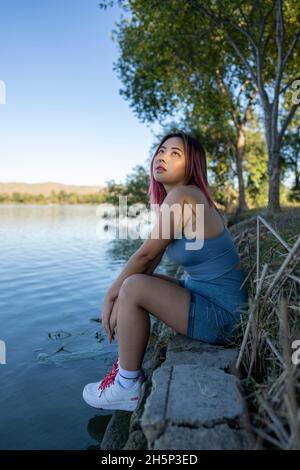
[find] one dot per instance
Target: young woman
(205, 306)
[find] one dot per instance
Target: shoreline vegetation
(55, 198)
(51, 193)
(270, 376)
(135, 189)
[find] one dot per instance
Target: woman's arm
(146, 258)
(154, 265)
(145, 268)
(137, 263)
(149, 270)
(155, 262)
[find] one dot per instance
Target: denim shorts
(216, 306)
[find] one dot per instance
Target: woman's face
(171, 157)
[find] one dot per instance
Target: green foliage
(225, 195)
(256, 169)
(294, 195)
(178, 60)
(283, 194)
(61, 197)
(135, 187)
(198, 59)
(113, 191)
(137, 184)
(290, 159)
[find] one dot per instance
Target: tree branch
(283, 90)
(279, 41)
(226, 92)
(245, 32)
(248, 107)
(219, 22)
(287, 121)
(292, 47)
(263, 22)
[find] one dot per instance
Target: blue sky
(64, 119)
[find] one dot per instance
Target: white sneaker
(108, 394)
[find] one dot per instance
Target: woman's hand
(113, 321)
(106, 314)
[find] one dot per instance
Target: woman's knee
(129, 287)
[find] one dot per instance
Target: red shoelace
(110, 377)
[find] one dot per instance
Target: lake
(54, 274)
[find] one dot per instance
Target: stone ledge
(191, 399)
(220, 437)
(195, 398)
(183, 350)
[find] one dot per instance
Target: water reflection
(54, 274)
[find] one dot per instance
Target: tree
(169, 61)
(113, 191)
(256, 175)
(291, 159)
(137, 184)
(271, 59)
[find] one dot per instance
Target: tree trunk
(242, 205)
(274, 182)
(273, 150)
(297, 175)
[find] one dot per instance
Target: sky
(63, 119)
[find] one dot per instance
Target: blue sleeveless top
(216, 256)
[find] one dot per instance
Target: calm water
(54, 274)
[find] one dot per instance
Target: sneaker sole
(111, 406)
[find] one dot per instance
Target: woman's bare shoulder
(195, 194)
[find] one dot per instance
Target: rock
(183, 350)
(136, 441)
(116, 433)
(191, 399)
(219, 437)
(195, 400)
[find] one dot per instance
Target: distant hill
(46, 188)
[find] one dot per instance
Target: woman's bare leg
(136, 302)
(134, 324)
(168, 278)
(114, 314)
(138, 326)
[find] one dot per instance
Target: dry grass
(269, 246)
